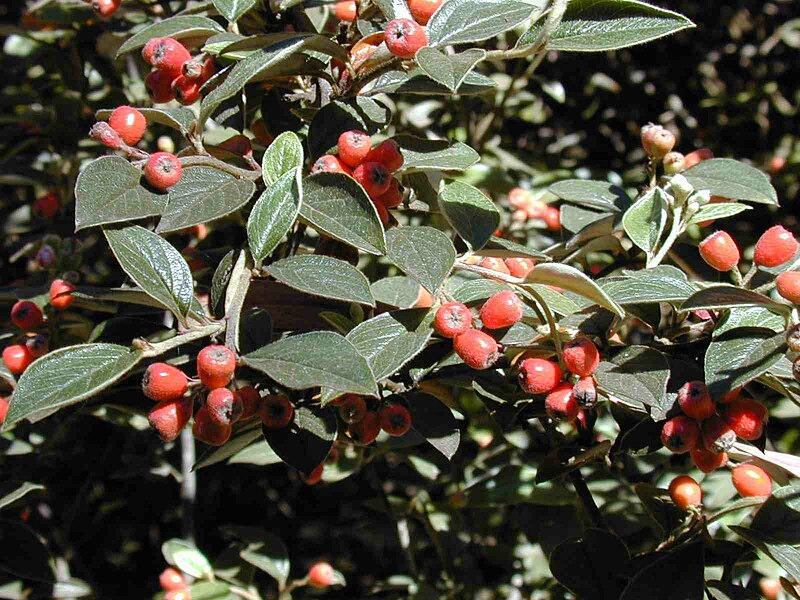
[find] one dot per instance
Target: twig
(210, 161)
(587, 499)
(150, 350)
(674, 233)
(188, 483)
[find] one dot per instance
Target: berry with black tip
(561, 404)
(708, 461)
(26, 314)
(581, 356)
(388, 154)
(276, 411)
(353, 147)
(373, 177)
(207, 430)
(159, 86)
(251, 401)
(695, 401)
(680, 434)
(224, 408)
(162, 170)
(452, 319)
(746, 417)
(330, 164)
(717, 435)
(168, 55)
(403, 37)
(394, 419)
(366, 430)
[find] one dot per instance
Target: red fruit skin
(708, 461)
(501, 310)
(209, 69)
(61, 294)
(695, 401)
(495, 264)
(251, 401)
(746, 418)
(452, 319)
(209, 431)
(552, 218)
(129, 123)
(720, 251)
(685, 492)
(149, 50)
(388, 154)
(3, 409)
(373, 177)
(581, 356)
(696, 157)
(185, 594)
(169, 55)
(162, 382)
(751, 480)
(539, 376)
(215, 366)
(394, 419)
(585, 392)
(422, 10)
(169, 417)
(352, 408)
(770, 588)
(315, 476)
(105, 8)
(17, 358)
(477, 349)
(393, 197)
(321, 575)
(330, 164)
(775, 246)
(222, 406)
(353, 147)
(26, 315)
(162, 170)
(680, 434)
(276, 411)
(159, 86)
(788, 285)
(403, 37)
(46, 206)
(730, 396)
(37, 345)
(383, 212)
(561, 404)
(717, 435)
(171, 580)
(106, 135)
(366, 430)
(186, 91)
(345, 10)
(519, 267)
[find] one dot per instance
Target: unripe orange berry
(159, 86)
(251, 401)
(585, 392)
(403, 37)
(169, 417)
(775, 246)
(657, 141)
(746, 418)
(321, 575)
(276, 411)
(501, 310)
(518, 197)
(46, 206)
(581, 356)
(373, 177)
(162, 170)
(422, 10)
(552, 218)
(685, 492)
(224, 408)
(3, 409)
(388, 154)
(561, 404)
(519, 267)
(168, 55)
(352, 408)
(708, 461)
(366, 430)
(788, 284)
(751, 480)
(26, 314)
(539, 376)
(495, 264)
(394, 419)
(696, 157)
(171, 579)
(770, 588)
(162, 381)
(129, 123)
(717, 435)
(477, 349)
(17, 358)
(353, 147)
(215, 366)
(330, 164)
(695, 401)
(674, 162)
(61, 294)
(680, 434)
(452, 319)
(720, 251)
(345, 10)
(393, 197)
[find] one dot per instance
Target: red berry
(585, 392)
(162, 382)
(321, 575)
(168, 55)
(61, 294)
(37, 344)
(751, 480)
(388, 154)
(730, 396)
(539, 376)
(209, 431)
(422, 10)
(788, 284)
(185, 594)
(685, 492)
(46, 206)
(353, 147)
(519, 267)
(17, 358)
(186, 91)
(251, 401)
(561, 404)
(477, 349)
(105, 134)
(680, 434)
(552, 218)
(171, 579)
(708, 461)
(129, 123)
(159, 86)
(366, 430)
(393, 197)
(495, 264)
(770, 588)
(775, 246)
(717, 435)
(105, 8)
(345, 10)
(169, 417)
(720, 251)
(223, 406)
(276, 411)
(746, 418)
(352, 408)
(394, 419)
(209, 69)
(215, 366)
(162, 170)
(695, 401)
(383, 212)
(501, 310)
(519, 197)
(26, 315)
(452, 319)
(330, 164)
(403, 37)
(149, 50)
(315, 476)
(696, 157)
(581, 356)
(3, 409)
(373, 177)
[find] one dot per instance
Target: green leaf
(284, 154)
(390, 340)
(448, 69)
(600, 25)
(416, 81)
(108, 191)
(29, 558)
(308, 439)
(420, 154)
(397, 291)
(592, 194)
(435, 422)
(637, 375)
(211, 590)
(312, 44)
(154, 265)
(269, 555)
(676, 575)
(732, 179)
(740, 356)
(232, 10)
(727, 296)
(219, 282)
(339, 116)
(644, 221)
(423, 253)
(591, 566)
(659, 284)
(11, 491)
(751, 317)
(180, 27)
(785, 555)
(569, 278)
(779, 517)
(177, 117)
(186, 557)
(514, 484)
(471, 213)
(315, 359)
(503, 248)
(719, 590)
(718, 211)
(467, 21)
(238, 442)
(202, 195)
(323, 276)
(274, 213)
(338, 206)
(66, 376)
(394, 9)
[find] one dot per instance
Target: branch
(210, 161)
(149, 350)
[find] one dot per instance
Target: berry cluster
(371, 167)
(527, 207)
(175, 75)
(174, 584)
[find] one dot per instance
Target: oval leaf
(740, 356)
(732, 179)
(676, 575)
(718, 211)
(472, 214)
(416, 81)
(273, 214)
(186, 557)
(569, 278)
(270, 555)
(180, 27)
(435, 422)
(421, 154)
(323, 276)
(644, 221)
(466, 21)
(448, 69)
(284, 154)
(308, 439)
(728, 296)
(592, 194)
(423, 253)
